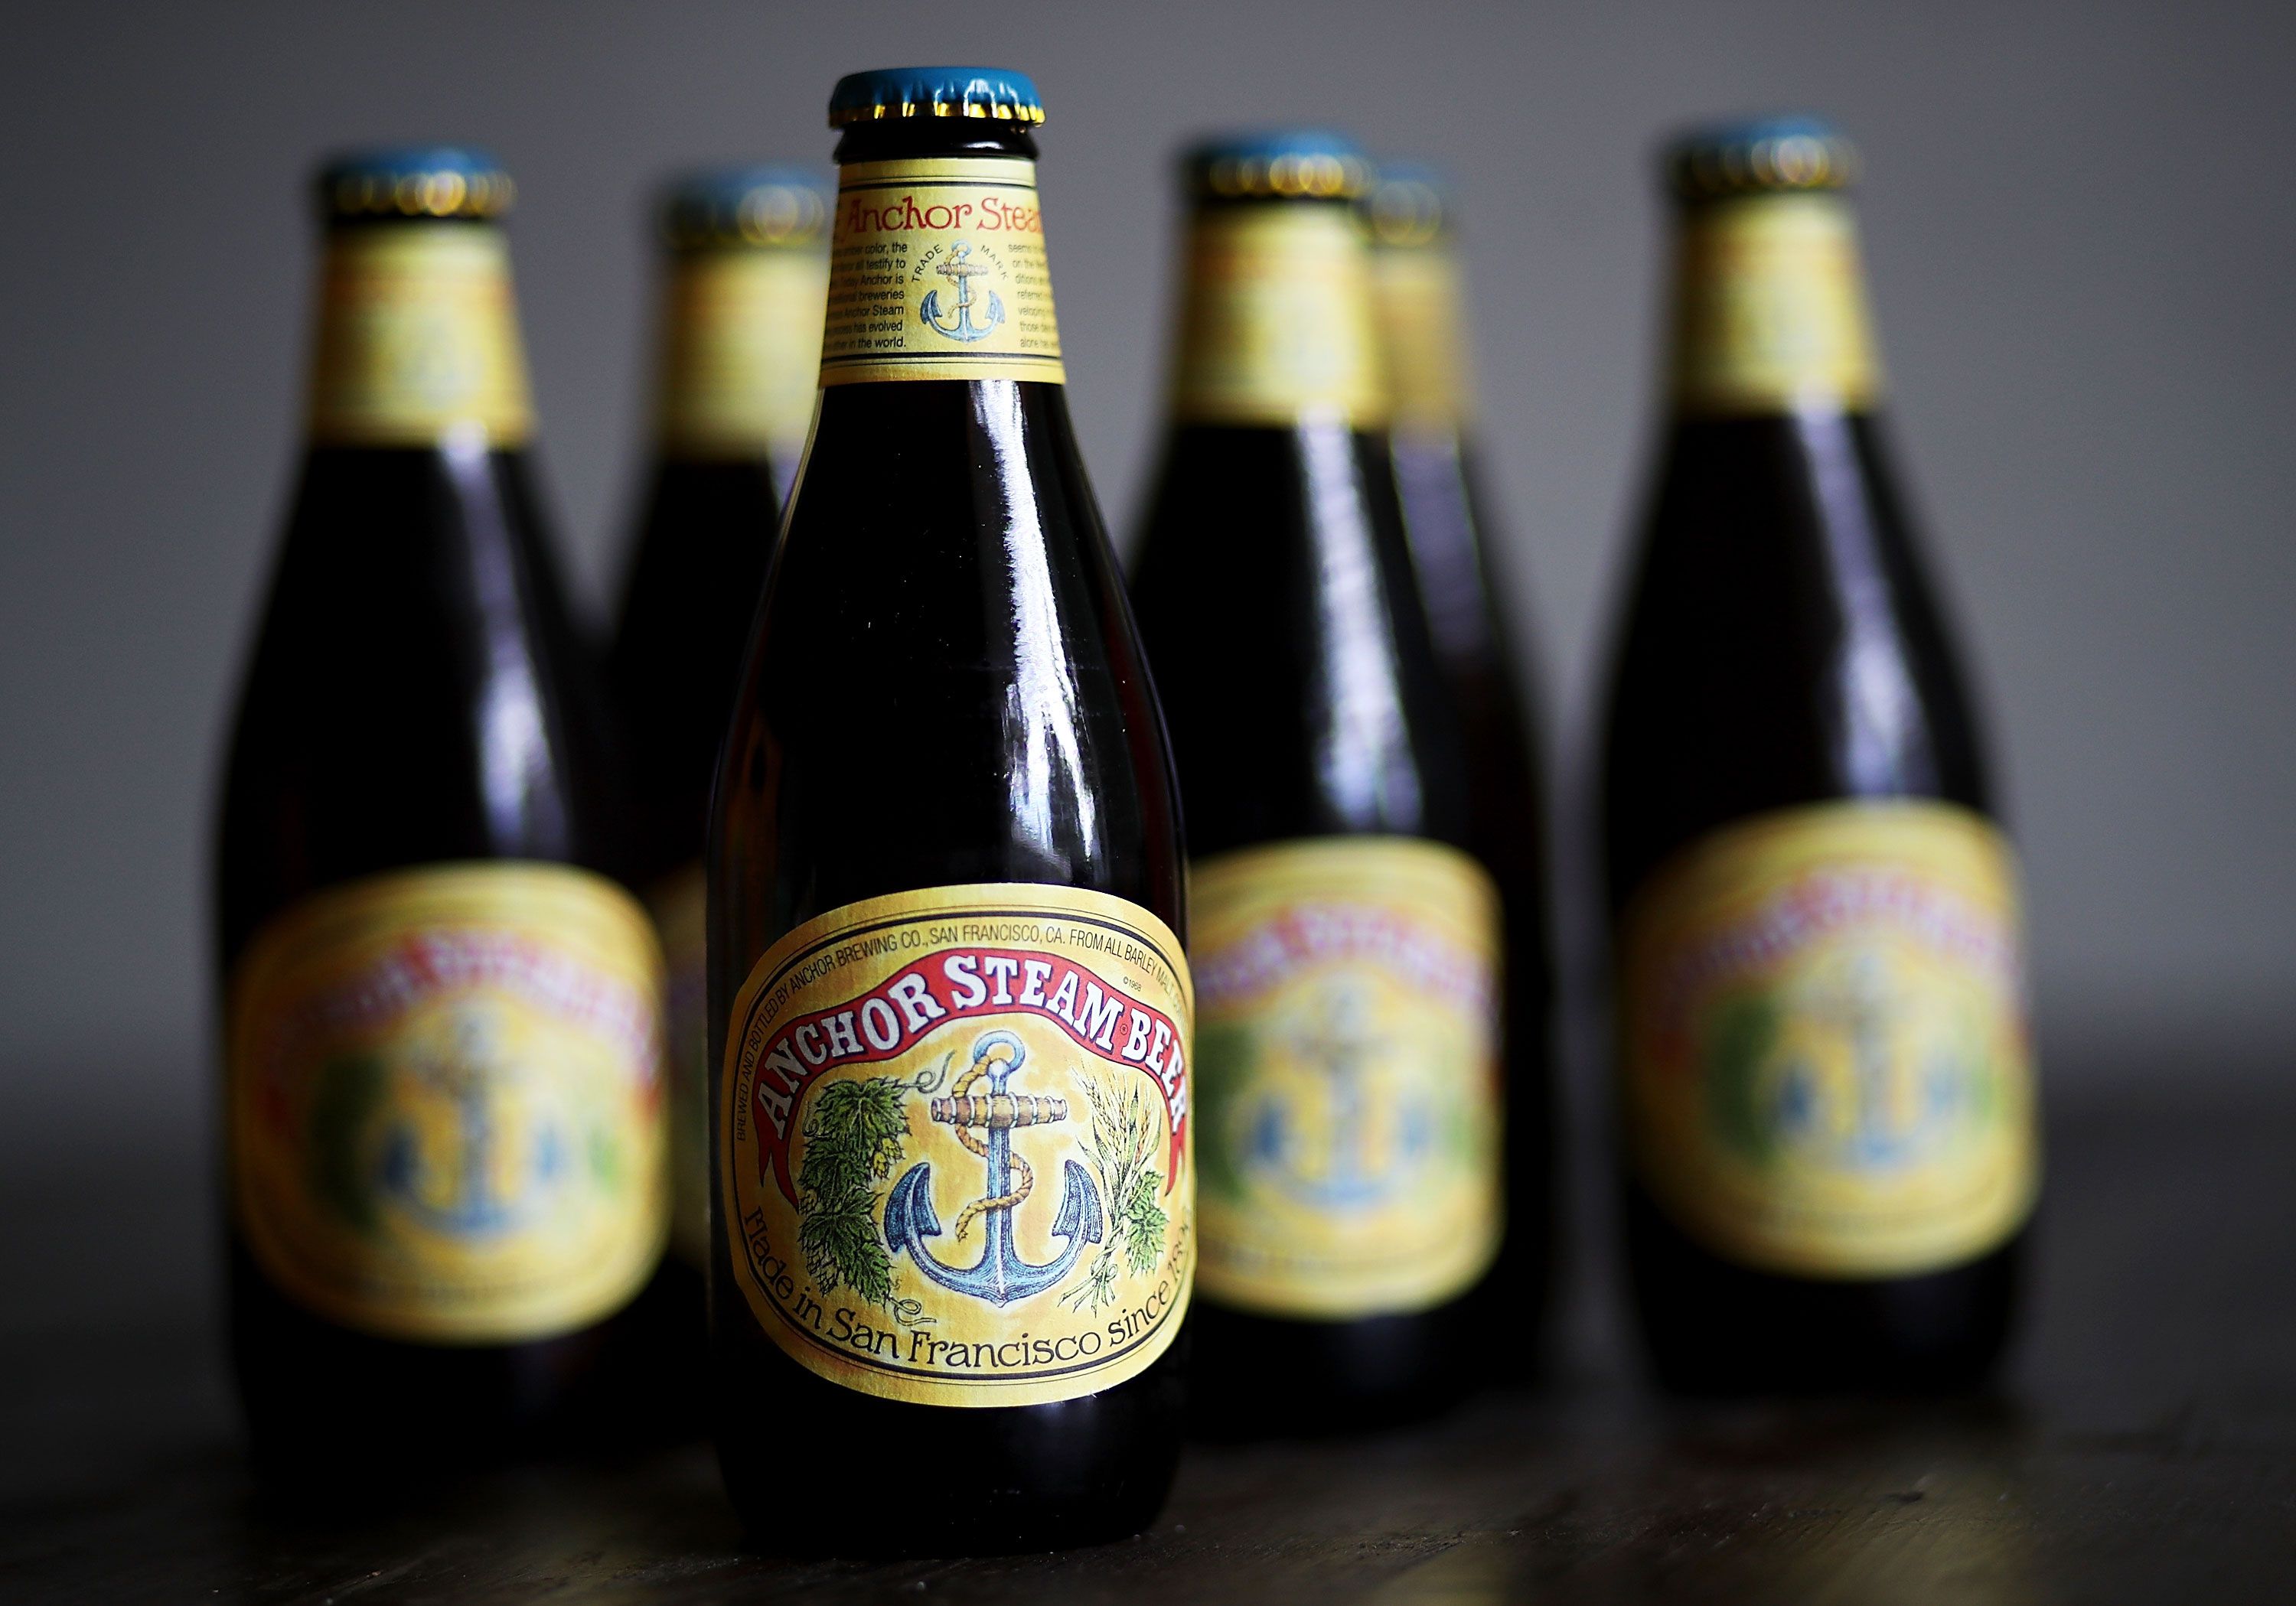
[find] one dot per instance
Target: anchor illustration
(1000, 1275)
(960, 270)
(1344, 1171)
(1861, 1007)
(460, 1191)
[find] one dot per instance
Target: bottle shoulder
(1283, 616)
(944, 685)
(950, 526)
(700, 544)
(1781, 643)
(703, 540)
(416, 691)
(1477, 632)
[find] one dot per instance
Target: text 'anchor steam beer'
(953, 1202)
(443, 1068)
(1825, 1083)
(1346, 940)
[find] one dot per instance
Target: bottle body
(1345, 939)
(945, 843)
(442, 1056)
(1825, 1083)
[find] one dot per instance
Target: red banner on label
(963, 983)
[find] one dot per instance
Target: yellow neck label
(953, 1151)
(741, 351)
(1770, 308)
(418, 337)
(937, 271)
(1348, 1076)
(444, 1101)
(1822, 1040)
(1275, 318)
(1419, 295)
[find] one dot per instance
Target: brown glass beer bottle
(1824, 1084)
(442, 1060)
(1345, 938)
(745, 275)
(951, 1213)
(1419, 294)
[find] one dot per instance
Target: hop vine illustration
(853, 1137)
(1125, 1136)
(350, 1091)
(1226, 1058)
(1736, 1049)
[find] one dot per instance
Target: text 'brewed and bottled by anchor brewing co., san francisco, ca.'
(1005, 1067)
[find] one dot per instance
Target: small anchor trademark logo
(1000, 1275)
(960, 270)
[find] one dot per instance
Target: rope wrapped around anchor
(961, 1114)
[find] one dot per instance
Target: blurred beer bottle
(1419, 298)
(1346, 943)
(949, 1008)
(1826, 1087)
(747, 277)
(442, 1064)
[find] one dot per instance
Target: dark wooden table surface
(2142, 1447)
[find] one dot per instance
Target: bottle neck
(418, 339)
(1769, 309)
(741, 351)
(1275, 318)
(1419, 295)
(937, 267)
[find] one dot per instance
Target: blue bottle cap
(895, 92)
(414, 181)
(1288, 164)
(1409, 204)
(1772, 153)
(767, 204)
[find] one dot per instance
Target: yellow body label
(1417, 294)
(1770, 308)
(937, 271)
(1275, 317)
(1823, 1041)
(445, 1101)
(1348, 1076)
(681, 914)
(741, 351)
(953, 1151)
(418, 337)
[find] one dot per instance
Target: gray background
(2080, 250)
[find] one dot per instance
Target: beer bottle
(445, 1151)
(1825, 1089)
(1345, 940)
(747, 271)
(950, 1011)
(1420, 300)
